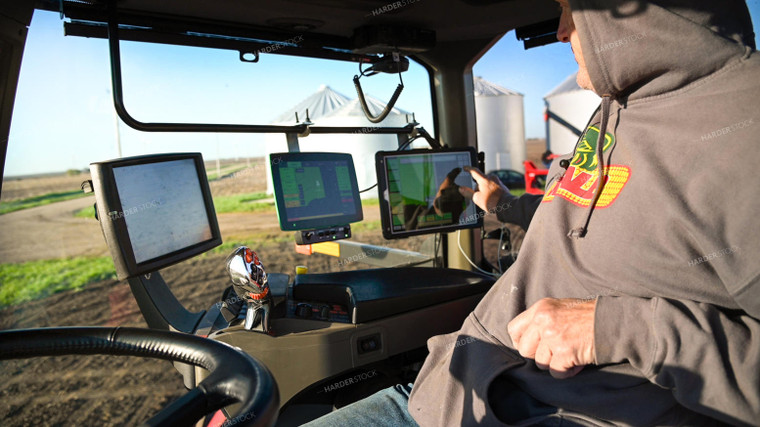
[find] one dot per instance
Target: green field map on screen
(309, 179)
(416, 172)
(344, 179)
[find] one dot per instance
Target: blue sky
(63, 116)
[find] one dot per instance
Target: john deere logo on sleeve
(580, 181)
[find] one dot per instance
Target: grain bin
(501, 125)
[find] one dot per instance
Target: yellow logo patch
(580, 180)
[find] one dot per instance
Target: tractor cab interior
(314, 331)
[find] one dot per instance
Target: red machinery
(534, 184)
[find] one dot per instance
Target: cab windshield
(55, 268)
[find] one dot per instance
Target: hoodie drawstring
(580, 232)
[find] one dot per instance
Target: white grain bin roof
(329, 108)
(568, 85)
(321, 103)
(353, 108)
(485, 88)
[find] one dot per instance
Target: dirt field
(534, 148)
(105, 390)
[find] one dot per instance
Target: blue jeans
(387, 407)
(390, 407)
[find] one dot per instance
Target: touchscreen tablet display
(419, 191)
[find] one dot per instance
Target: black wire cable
(368, 188)
(388, 107)
(403, 146)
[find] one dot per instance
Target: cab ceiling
(452, 20)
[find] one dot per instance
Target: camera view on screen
(421, 192)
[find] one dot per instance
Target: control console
(307, 237)
(362, 296)
(318, 310)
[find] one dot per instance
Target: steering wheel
(234, 377)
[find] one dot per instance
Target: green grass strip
(242, 203)
(365, 226)
(88, 212)
(45, 199)
(370, 202)
(229, 246)
(38, 279)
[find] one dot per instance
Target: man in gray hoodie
(636, 297)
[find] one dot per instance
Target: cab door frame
(15, 18)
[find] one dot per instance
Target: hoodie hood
(635, 49)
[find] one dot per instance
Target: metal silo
(501, 125)
(569, 107)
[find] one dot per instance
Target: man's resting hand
(557, 333)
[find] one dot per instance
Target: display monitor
(419, 191)
(315, 190)
(154, 210)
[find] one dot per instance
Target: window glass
(55, 269)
